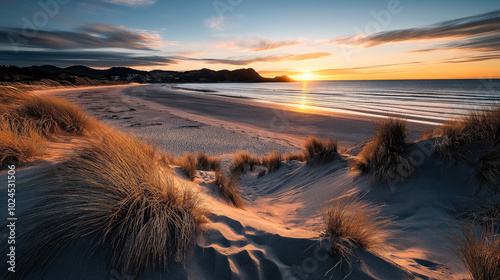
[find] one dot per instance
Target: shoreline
(277, 120)
(314, 109)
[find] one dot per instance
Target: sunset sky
(319, 39)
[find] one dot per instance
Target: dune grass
(188, 165)
(243, 161)
(111, 192)
(12, 95)
(479, 251)
(229, 189)
(351, 224)
(386, 154)
(457, 136)
(272, 161)
(488, 172)
(294, 156)
(50, 114)
(203, 162)
(19, 142)
(320, 150)
(483, 212)
(53, 115)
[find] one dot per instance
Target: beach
(279, 232)
(275, 123)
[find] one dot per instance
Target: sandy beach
(198, 114)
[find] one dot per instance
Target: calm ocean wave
(426, 100)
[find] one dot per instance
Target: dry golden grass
(188, 165)
(272, 161)
(19, 142)
(488, 172)
(53, 115)
(294, 156)
(386, 155)
(229, 189)
(112, 193)
(203, 162)
(243, 161)
(479, 251)
(428, 133)
(165, 159)
(214, 163)
(50, 115)
(457, 136)
(320, 150)
(352, 223)
(483, 212)
(12, 95)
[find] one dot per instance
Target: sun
(307, 76)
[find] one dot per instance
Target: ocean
(427, 101)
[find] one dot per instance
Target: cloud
(257, 44)
(467, 27)
(88, 58)
(89, 37)
(485, 43)
(269, 58)
(365, 70)
(221, 23)
(131, 2)
(474, 58)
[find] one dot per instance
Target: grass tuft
(19, 142)
(50, 115)
(295, 156)
(457, 136)
(229, 189)
(386, 155)
(272, 161)
(188, 165)
(352, 223)
(479, 251)
(12, 95)
(488, 172)
(320, 150)
(110, 192)
(203, 162)
(242, 161)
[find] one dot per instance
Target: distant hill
(248, 75)
(50, 77)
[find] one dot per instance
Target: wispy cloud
(485, 43)
(269, 58)
(364, 70)
(257, 44)
(474, 58)
(88, 37)
(222, 23)
(132, 2)
(468, 27)
(88, 58)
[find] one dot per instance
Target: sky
(306, 40)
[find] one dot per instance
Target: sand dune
(280, 234)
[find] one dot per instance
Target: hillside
(124, 74)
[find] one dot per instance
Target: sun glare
(307, 76)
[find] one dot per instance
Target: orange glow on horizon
(307, 76)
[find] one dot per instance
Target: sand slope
(279, 235)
